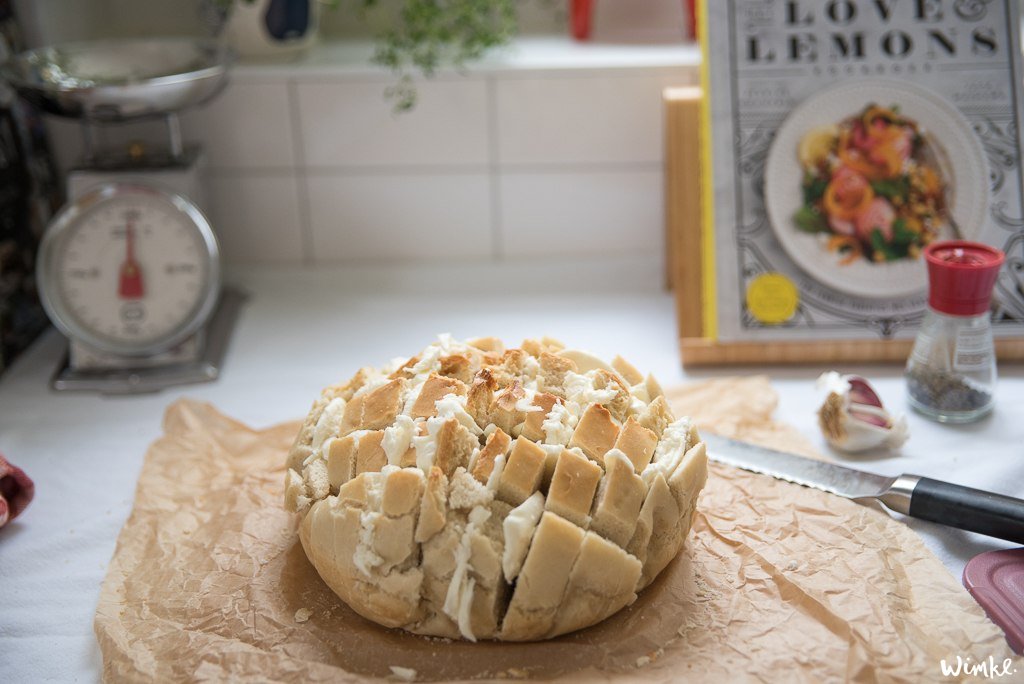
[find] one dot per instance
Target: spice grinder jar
(951, 372)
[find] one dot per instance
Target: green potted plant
(426, 34)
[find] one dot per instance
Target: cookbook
(845, 136)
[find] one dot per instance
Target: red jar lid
(961, 275)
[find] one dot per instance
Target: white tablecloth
(304, 329)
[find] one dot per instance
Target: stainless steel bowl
(120, 80)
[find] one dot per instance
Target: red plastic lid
(961, 275)
(996, 581)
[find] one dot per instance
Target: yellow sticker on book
(772, 298)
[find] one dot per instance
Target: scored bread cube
(438, 559)
(323, 422)
(533, 427)
(637, 443)
(573, 486)
(392, 539)
(341, 460)
(627, 370)
(502, 411)
(490, 592)
(361, 491)
(318, 485)
(370, 455)
(344, 534)
(433, 505)
(523, 472)
(330, 535)
(619, 499)
(602, 580)
(457, 366)
(518, 527)
(692, 472)
(295, 496)
(542, 581)
(393, 532)
(621, 402)
(658, 522)
(374, 410)
(402, 491)
(487, 541)
(510, 367)
(653, 388)
(435, 387)
(656, 416)
(481, 394)
(497, 445)
(552, 373)
(487, 344)
(545, 344)
(455, 444)
(687, 482)
(596, 432)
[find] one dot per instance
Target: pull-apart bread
(479, 492)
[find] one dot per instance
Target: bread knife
(994, 515)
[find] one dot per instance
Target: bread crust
(430, 499)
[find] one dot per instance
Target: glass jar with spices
(951, 372)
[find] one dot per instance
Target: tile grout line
(539, 168)
(497, 248)
(301, 180)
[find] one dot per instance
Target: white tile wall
(248, 126)
(256, 217)
(314, 167)
(594, 212)
(603, 119)
(391, 217)
(349, 123)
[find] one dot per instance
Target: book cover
(845, 136)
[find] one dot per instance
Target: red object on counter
(961, 275)
(16, 491)
(580, 14)
(581, 11)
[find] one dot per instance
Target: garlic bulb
(853, 418)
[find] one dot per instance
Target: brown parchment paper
(776, 583)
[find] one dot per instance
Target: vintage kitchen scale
(129, 269)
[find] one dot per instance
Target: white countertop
(304, 329)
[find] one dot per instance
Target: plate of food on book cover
(862, 177)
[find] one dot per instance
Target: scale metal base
(205, 368)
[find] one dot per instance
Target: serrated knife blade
(975, 510)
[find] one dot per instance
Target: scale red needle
(130, 285)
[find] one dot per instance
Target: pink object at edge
(16, 491)
(996, 581)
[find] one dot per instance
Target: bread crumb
(303, 614)
(404, 674)
(642, 661)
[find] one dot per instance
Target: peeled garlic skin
(853, 418)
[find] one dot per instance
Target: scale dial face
(129, 269)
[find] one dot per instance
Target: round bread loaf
(480, 492)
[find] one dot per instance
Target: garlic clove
(853, 417)
(861, 392)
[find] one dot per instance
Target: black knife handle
(969, 509)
